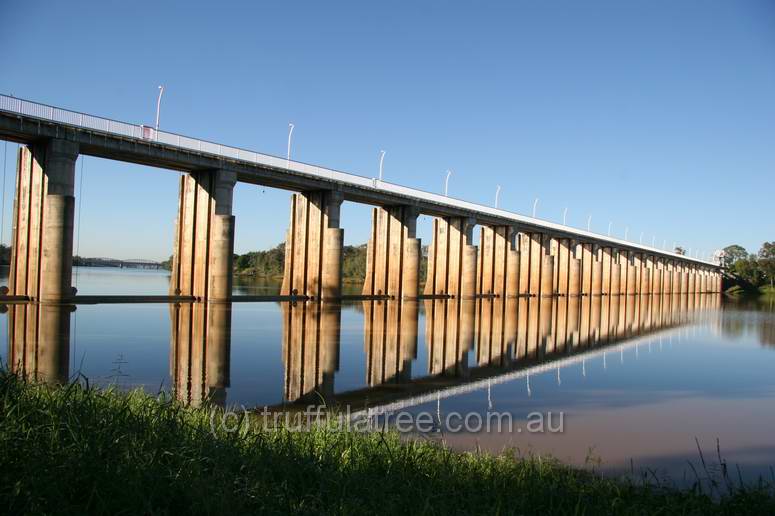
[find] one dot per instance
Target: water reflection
(39, 341)
(200, 358)
(465, 341)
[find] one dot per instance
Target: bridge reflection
(466, 343)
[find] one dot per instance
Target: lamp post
(535, 205)
(381, 159)
(626, 231)
(564, 215)
(497, 195)
(446, 183)
(158, 107)
(589, 223)
(610, 223)
(288, 155)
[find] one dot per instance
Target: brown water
(637, 379)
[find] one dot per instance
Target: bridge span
(517, 255)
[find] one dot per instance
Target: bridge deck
(25, 122)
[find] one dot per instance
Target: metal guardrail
(146, 133)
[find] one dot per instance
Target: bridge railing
(106, 125)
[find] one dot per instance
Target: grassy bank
(77, 450)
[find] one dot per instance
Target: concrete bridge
(517, 255)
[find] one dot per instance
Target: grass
(76, 450)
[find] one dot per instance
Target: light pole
(497, 195)
(640, 241)
(446, 183)
(664, 245)
(589, 223)
(535, 205)
(564, 215)
(610, 223)
(626, 230)
(288, 156)
(653, 240)
(381, 159)
(158, 107)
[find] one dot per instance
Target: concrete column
(631, 280)
(313, 248)
(451, 270)
(586, 268)
(607, 260)
(563, 266)
(393, 253)
(44, 210)
(537, 252)
(524, 264)
(597, 276)
(496, 245)
(547, 276)
(684, 279)
(616, 276)
(574, 278)
(203, 250)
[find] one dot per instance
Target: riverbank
(75, 450)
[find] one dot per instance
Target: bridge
(517, 255)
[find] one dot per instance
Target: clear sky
(655, 115)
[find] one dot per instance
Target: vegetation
(270, 264)
(751, 272)
(76, 450)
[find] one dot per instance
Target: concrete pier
(203, 250)
(452, 259)
(393, 253)
(41, 265)
(497, 261)
(563, 266)
(313, 246)
(574, 278)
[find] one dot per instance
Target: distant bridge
(132, 263)
(517, 255)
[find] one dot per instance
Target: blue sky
(655, 115)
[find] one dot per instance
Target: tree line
(752, 270)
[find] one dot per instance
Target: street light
(446, 183)
(653, 240)
(288, 156)
(381, 159)
(564, 215)
(640, 241)
(158, 106)
(589, 223)
(610, 223)
(535, 205)
(626, 230)
(497, 195)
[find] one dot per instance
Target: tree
(733, 253)
(749, 271)
(767, 251)
(767, 262)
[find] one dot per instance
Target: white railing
(145, 133)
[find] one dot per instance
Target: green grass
(77, 450)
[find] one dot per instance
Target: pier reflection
(492, 339)
(200, 358)
(464, 341)
(39, 341)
